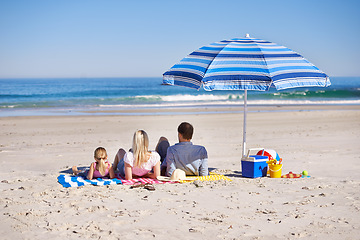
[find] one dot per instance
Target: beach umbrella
(245, 64)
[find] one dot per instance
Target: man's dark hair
(186, 130)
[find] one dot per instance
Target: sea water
(23, 96)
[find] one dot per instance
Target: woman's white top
(146, 167)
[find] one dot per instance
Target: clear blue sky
(114, 38)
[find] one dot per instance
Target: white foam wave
(234, 103)
(9, 106)
(188, 97)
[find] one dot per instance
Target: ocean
(19, 97)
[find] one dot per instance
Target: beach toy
(291, 175)
(305, 174)
(271, 162)
(275, 170)
(272, 154)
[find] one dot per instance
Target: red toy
(291, 175)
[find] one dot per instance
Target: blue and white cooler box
(254, 166)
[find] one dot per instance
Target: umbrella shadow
(235, 174)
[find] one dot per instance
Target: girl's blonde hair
(140, 147)
(101, 155)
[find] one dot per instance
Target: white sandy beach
(324, 141)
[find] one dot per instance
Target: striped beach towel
(141, 181)
(211, 177)
(78, 181)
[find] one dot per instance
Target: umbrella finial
(247, 35)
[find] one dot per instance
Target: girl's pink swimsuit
(97, 174)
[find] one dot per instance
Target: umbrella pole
(244, 126)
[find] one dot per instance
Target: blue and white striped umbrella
(245, 64)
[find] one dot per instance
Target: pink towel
(138, 180)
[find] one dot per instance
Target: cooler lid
(255, 158)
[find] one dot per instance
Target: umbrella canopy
(245, 64)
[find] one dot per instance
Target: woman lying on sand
(139, 162)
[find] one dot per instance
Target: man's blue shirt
(190, 158)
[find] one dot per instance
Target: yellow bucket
(275, 170)
(270, 162)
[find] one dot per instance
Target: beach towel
(211, 177)
(141, 181)
(78, 181)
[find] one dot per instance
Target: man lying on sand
(192, 159)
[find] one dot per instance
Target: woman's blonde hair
(101, 155)
(140, 147)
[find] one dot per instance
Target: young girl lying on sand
(98, 169)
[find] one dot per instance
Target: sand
(324, 141)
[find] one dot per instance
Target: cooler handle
(248, 153)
